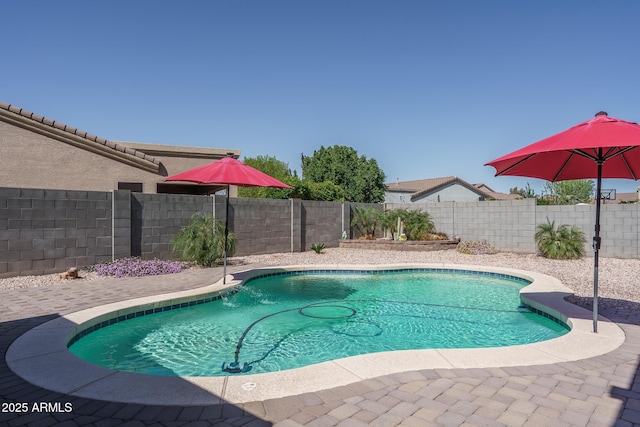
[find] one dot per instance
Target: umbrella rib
(564, 165)
(584, 154)
(515, 164)
(626, 163)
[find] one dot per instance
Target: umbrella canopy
(603, 147)
(576, 152)
(228, 171)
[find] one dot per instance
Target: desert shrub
(474, 247)
(438, 235)
(202, 241)
(562, 242)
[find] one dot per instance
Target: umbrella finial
(601, 113)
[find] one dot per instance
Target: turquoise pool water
(293, 320)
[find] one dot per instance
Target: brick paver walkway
(601, 391)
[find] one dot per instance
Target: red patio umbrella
(228, 171)
(603, 147)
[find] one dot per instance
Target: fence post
(120, 224)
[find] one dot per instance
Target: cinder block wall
(511, 225)
(261, 226)
(322, 223)
(156, 219)
(619, 226)
(47, 231)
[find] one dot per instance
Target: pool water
(294, 320)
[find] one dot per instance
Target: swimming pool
(286, 320)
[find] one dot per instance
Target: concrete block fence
(47, 231)
(511, 225)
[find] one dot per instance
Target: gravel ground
(619, 282)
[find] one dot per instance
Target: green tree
(563, 242)
(360, 178)
(526, 192)
(274, 168)
(325, 191)
(569, 192)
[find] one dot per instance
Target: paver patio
(599, 391)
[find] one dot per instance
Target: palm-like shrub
(563, 242)
(202, 241)
(366, 220)
(417, 224)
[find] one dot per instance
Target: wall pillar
(297, 244)
(121, 224)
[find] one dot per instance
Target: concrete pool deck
(531, 382)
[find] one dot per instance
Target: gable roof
(420, 187)
(495, 195)
(625, 198)
(53, 129)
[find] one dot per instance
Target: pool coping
(41, 356)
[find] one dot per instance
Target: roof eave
(81, 139)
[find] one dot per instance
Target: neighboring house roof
(496, 195)
(76, 137)
(624, 198)
(421, 187)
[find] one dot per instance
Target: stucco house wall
(31, 160)
(451, 193)
(37, 152)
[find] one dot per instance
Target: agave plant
(318, 247)
(562, 242)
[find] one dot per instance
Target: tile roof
(624, 198)
(91, 141)
(496, 195)
(421, 187)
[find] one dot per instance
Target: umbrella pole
(596, 247)
(226, 237)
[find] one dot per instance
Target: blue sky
(427, 88)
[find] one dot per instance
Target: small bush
(136, 267)
(435, 236)
(474, 247)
